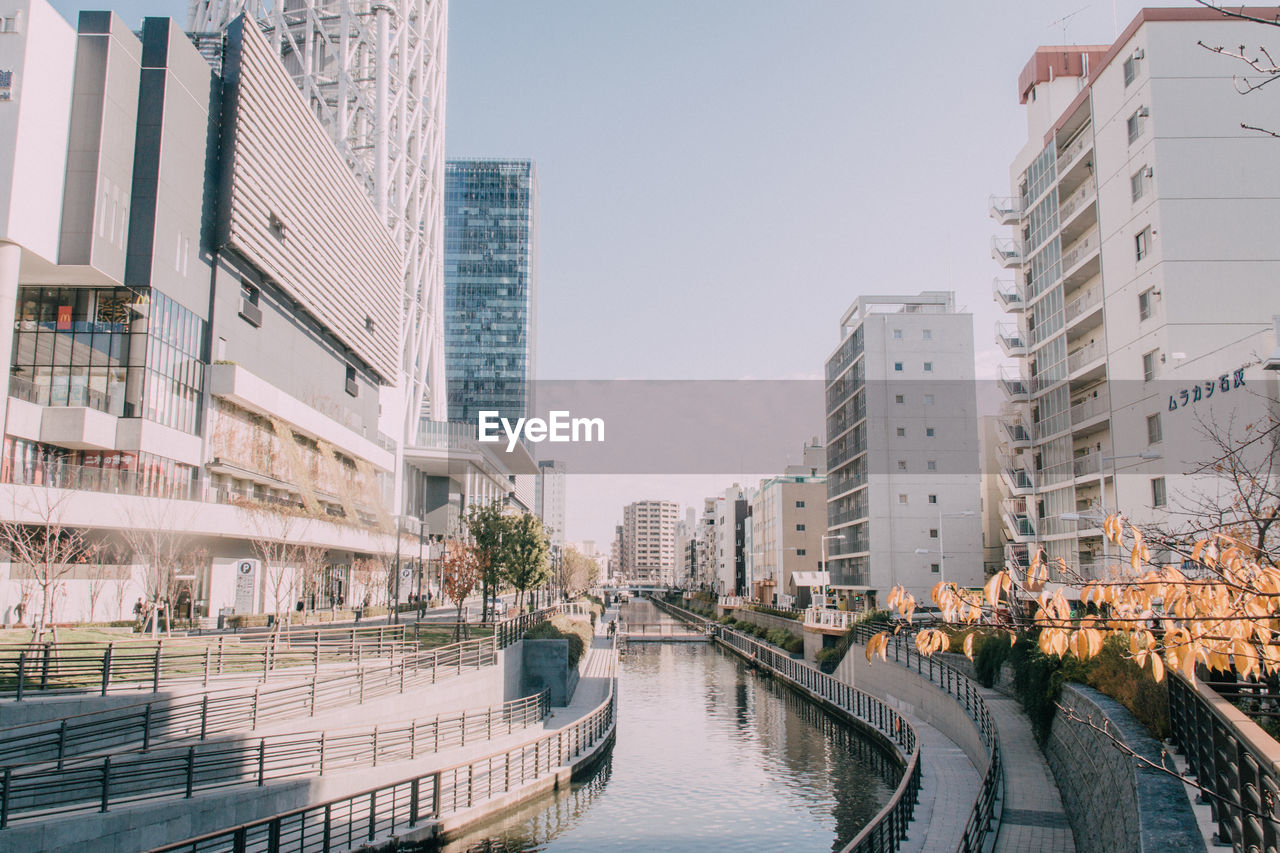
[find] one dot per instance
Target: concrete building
(993, 538)
(1135, 187)
(902, 449)
(181, 357)
(728, 569)
(789, 520)
(549, 501)
(648, 548)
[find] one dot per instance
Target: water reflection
(709, 756)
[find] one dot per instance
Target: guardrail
(961, 688)
(138, 726)
(80, 667)
(51, 789)
(1226, 761)
(346, 822)
(888, 828)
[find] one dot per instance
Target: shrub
(829, 658)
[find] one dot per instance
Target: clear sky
(721, 178)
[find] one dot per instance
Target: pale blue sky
(720, 178)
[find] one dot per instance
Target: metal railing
(1076, 200)
(961, 688)
(197, 717)
(353, 820)
(1086, 245)
(1077, 359)
(94, 667)
(1241, 773)
(823, 617)
(1083, 140)
(1090, 408)
(885, 832)
(80, 785)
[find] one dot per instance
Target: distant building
(789, 519)
(648, 542)
(993, 539)
(490, 286)
(902, 449)
(549, 500)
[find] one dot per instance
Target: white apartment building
(649, 542)
(902, 449)
(549, 500)
(1143, 289)
(728, 552)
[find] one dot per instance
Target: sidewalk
(1034, 820)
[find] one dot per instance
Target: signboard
(246, 585)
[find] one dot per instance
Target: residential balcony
(1007, 251)
(1014, 386)
(1087, 304)
(1006, 210)
(1019, 525)
(1011, 339)
(1016, 432)
(1091, 410)
(1082, 143)
(1075, 258)
(1085, 356)
(1088, 465)
(1016, 480)
(1076, 202)
(1008, 295)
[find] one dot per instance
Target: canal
(709, 756)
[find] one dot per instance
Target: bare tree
(158, 533)
(42, 547)
(311, 563)
(274, 532)
(1264, 69)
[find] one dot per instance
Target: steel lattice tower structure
(374, 73)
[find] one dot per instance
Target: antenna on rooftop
(1064, 20)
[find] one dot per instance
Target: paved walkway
(948, 785)
(1034, 820)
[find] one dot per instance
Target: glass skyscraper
(489, 286)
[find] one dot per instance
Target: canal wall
(768, 620)
(916, 696)
(1114, 802)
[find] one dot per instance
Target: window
(933, 567)
(927, 335)
(799, 504)
(933, 465)
(933, 533)
(1131, 69)
(897, 334)
(929, 432)
(1137, 124)
(902, 464)
(898, 398)
(1142, 243)
(1149, 365)
(1157, 492)
(1138, 183)
(800, 528)
(352, 388)
(1144, 303)
(800, 552)
(897, 366)
(928, 399)
(902, 432)
(1154, 432)
(902, 499)
(928, 367)
(933, 499)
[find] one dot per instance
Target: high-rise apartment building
(549, 502)
(490, 286)
(902, 449)
(1143, 280)
(649, 542)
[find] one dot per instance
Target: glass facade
(129, 353)
(112, 471)
(489, 286)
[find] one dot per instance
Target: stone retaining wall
(768, 620)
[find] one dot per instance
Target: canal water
(709, 756)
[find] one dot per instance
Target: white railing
(1076, 200)
(1090, 408)
(1083, 141)
(1087, 353)
(822, 617)
(1086, 245)
(1009, 294)
(1006, 250)
(1082, 303)
(1090, 463)
(734, 601)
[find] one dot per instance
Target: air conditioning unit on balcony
(250, 312)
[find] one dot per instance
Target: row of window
(930, 464)
(902, 498)
(925, 334)
(930, 432)
(900, 399)
(928, 367)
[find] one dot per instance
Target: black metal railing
(396, 807)
(983, 818)
(886, 831)
(1225, 759)
(96, 784)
